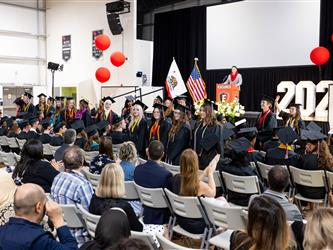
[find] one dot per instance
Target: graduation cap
(248, 133)
(28, 95)
(9, 122)
(313, 136)
(181, 108)
(84, 101)
(267, 99)
(313, 126)
(227, 133)
(91, 130)
(160, 106)
(144, 106)
(286, 135)
(105, 98)
(240, 145)
(51, 98)
(59, 98)
(23, 123)
(42, 94)
(78, 125)
(296, 105)
(33, 119)
(159, 98)
(118, 120)
(209, 141)
(209, 102)
(68, 98)
(18, 101)
(102, 125)
(46, 123)
(130, 98)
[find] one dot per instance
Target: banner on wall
(66, 47)
(96, 53)
(227, 92)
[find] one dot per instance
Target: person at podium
(234, 77)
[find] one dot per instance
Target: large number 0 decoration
(308, 90)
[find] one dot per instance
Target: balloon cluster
(103, 42)
(320, 55)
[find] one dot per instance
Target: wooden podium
(227, 92)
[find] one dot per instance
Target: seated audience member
(8, 188)
(71, 187)
(283, 154)
(34, 131)
(318, 234)
(189, 183)
(81, 136)
(111, 229)
(24, 230)
(128, 157)
(152, 175)
(69, 139)
(109, 193)
(93, 140)
(25, 128)
(117, 134)
(45, 137)
(267, 227)
(317, 157)
(278, 180)
(14, 130)
(33, 169)
(240, 166)
(59, 130)
(104, 157)
(132, 244)
(251, 135)
(103, 128)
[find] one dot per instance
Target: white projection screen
(262, 33)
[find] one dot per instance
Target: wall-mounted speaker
(114, 24)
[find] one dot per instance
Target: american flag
(196, 85)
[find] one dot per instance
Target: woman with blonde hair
(138, 128)
(318, 234)
(109, 193)
(267, 228)
(190, 183)
(128, 157)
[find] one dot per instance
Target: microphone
(225, 78)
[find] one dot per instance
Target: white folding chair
(72, 216)
(90, 220)
(329, 176)
(147, 238)
(116, 149)
(172, 168)
(93, 178)
(168, 244)
(227, 218)
(241, 184)
(141, 161)
(216, 176)
(12, 143)
(21, 142)
(53, 149)
(8, 158)
(3, 140)
(47, 149)
(308, 178)
(131, 193)
(89, 156)
(187, 207)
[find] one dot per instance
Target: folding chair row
(9, 159)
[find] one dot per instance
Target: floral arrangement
(229, 110)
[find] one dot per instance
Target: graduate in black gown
(41, 107)
(45, 137)
(266, 121)
(292, 119)
(81, 136)
(19, 106)
(28, 105)
(50, 106)
(107, 114)
(284, 153)
(179, 135)
(118, 133)
(205, 130)
(59, 130)
(69, 112)
(25, 128)
(84, 113)
(251, 135)
(126, 110)
(137, 128)
(159, 127)
(58, 116)
(34, 130)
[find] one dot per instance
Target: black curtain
(182, 34)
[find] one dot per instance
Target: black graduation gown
(276, 156)
(163, 133)
(30, 108)
(22, 135)
(57, 140)
(112, 116)
(179, 143)
(32, 135)
(140, 137)
(256, 156)
(45, 138)
(202, 136)
(37, 110)
(272, 143)
(286, 116)
(119, 137)
(266, 127)
(86, 118)
(3, 131)
(80, 142)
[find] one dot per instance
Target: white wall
(79, 19)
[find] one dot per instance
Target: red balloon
(117, 58)
(332, 38)
(102, 42)
(102, 74)
(320, 55)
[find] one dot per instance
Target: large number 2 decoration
(298, 91)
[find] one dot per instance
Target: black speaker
(114, 24)
(115, 7)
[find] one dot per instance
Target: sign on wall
(313, 98)
(66, 47)
(96, 53)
